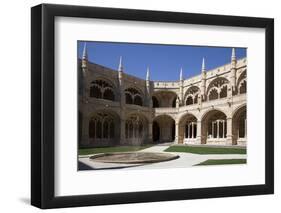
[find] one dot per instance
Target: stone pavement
(157, 148)
(185, 160)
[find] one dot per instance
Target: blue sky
(164, 61)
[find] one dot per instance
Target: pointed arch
(164, 126)
(189, 100)
(134, 96)
(242, 82)
(102, 89)
(243, 75)
(217, 88)
(242, 87)
(108, 94)
(166, 98)
(191, 95)
(138, 100)
(213, 94)
(214, 127)
(104, 129)
(239, 125)
(187, 128)
(223, 91)
(155, 102)
(136, 129)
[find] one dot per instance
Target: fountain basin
(133, 157)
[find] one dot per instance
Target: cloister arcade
(239, 127)
(242, 83)
(214, 127)
(164, 99)
(104, 128)
(163, 129)
(191, 95)
(136, 129)
(217, 89)
(210, 108)
(102, 89)
(133, 96)
(188, 129)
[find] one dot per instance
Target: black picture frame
(43, 105)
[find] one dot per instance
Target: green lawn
(206, 150)
(222, 161)
(88, 151)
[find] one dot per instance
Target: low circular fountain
(133, 157)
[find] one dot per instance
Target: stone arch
(104, 128)
(242, 83)
(242, 75)
(144, 115)
(166, 98)
(128, 98)
(108, 94)
(195, 100)
(187, 131)
(136, 129)
(218, 85)
(174, 103)
(102, 89)
(213, 94)
(204, 113)
(134, 96)
(214, 127)
(242, 87)
(191, 95)
(138, 100)
(236, 109)
(163, 129)
(223, 91)
(155, 102)
(189, 100)
(239, 125)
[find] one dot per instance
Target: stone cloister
(116, 108)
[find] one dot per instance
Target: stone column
(195, 130)
(192, 127)
(181, 102)
(188, 131)
(229, 134)
(122, 131)
(86, 90)
(176, 133)
(213, 127)
(150, 140)
(245, 128)
(85, 140)
(223, 128)
(198, 131)
(218, 129)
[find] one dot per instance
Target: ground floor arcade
(108, 128)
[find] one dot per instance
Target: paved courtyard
(184, 160)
